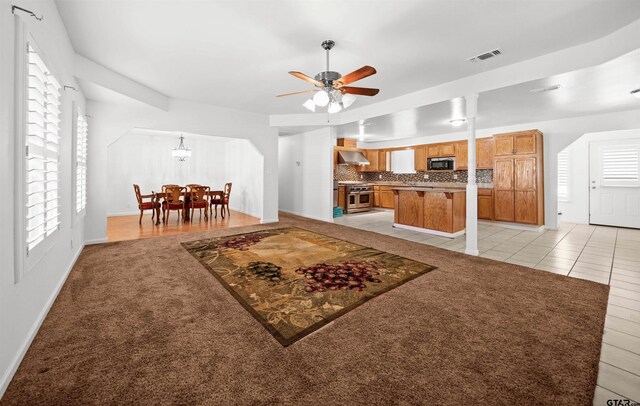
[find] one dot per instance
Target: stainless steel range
(359, 197)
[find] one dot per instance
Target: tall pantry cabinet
(518, 177)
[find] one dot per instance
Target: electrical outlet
(361, 177)
(455, 176)
(426, 176)
(379, 176)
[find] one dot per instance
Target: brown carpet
(142, 322)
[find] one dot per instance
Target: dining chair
(222, 200)
(172, 201)
(199, 199)
(152, 205)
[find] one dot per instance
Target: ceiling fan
(334, 91)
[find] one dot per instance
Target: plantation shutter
(42, 151)
(563, 176)
(81, 163)
(621, 165)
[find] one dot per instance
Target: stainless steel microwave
(443, 164)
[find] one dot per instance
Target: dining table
(158, 196)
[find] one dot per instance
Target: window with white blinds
(563, 176)
(42, 151)
(621, 165)
(81, 162)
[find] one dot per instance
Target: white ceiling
(599, 89)
(237, 53)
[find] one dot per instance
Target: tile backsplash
(345, 173)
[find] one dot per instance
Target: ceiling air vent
(485, 55)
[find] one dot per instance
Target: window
(402, 161)
(621, 165)
(563, 176)
(42, 211)
(81, 162)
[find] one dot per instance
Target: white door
(615, 183)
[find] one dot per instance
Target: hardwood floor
(122, 228)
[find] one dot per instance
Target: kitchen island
(434, 211)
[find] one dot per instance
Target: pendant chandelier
(182, 152)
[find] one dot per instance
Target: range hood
(351, 158)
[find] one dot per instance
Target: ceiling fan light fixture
(334, 107)
(321, 98)
(331, 87)
(310, 105)
(348, 99)
(457, 122)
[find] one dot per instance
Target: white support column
(472, 187)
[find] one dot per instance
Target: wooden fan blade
(362, 91)
(306, 78)
(356, 75)
(294, 93)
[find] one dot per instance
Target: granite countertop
(430, 190)
(420, 184)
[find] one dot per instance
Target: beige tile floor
(606, 255)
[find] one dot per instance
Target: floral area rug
(294, 281)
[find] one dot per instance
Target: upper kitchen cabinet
(420, 157)
(445, 149)
(372, 156)
(517, 143)
(484, 154)
(347, 143)
(462, 155)
(382, 160)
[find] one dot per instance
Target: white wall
(557, 135)
(305, 172)
(24, 305)
(145, 159)
(111, 121)
(576, 209)
(243, 164)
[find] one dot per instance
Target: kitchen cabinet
(342, 198)
(503, 189)
(383, 196)
(382, 160)
(347, 143)
(420, 160)
(518, 179)
(484, 154)
(376, 196)
(462, 155)
(447, 149)
(386, 197)
(517, 143)
(485, 204)
(372, 157)
(440, 211)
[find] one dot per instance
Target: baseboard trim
(515, 226)
(33, 331)
(96, 241)
(307, 216)
(132, 213)
(267, 221)
(429, 231)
